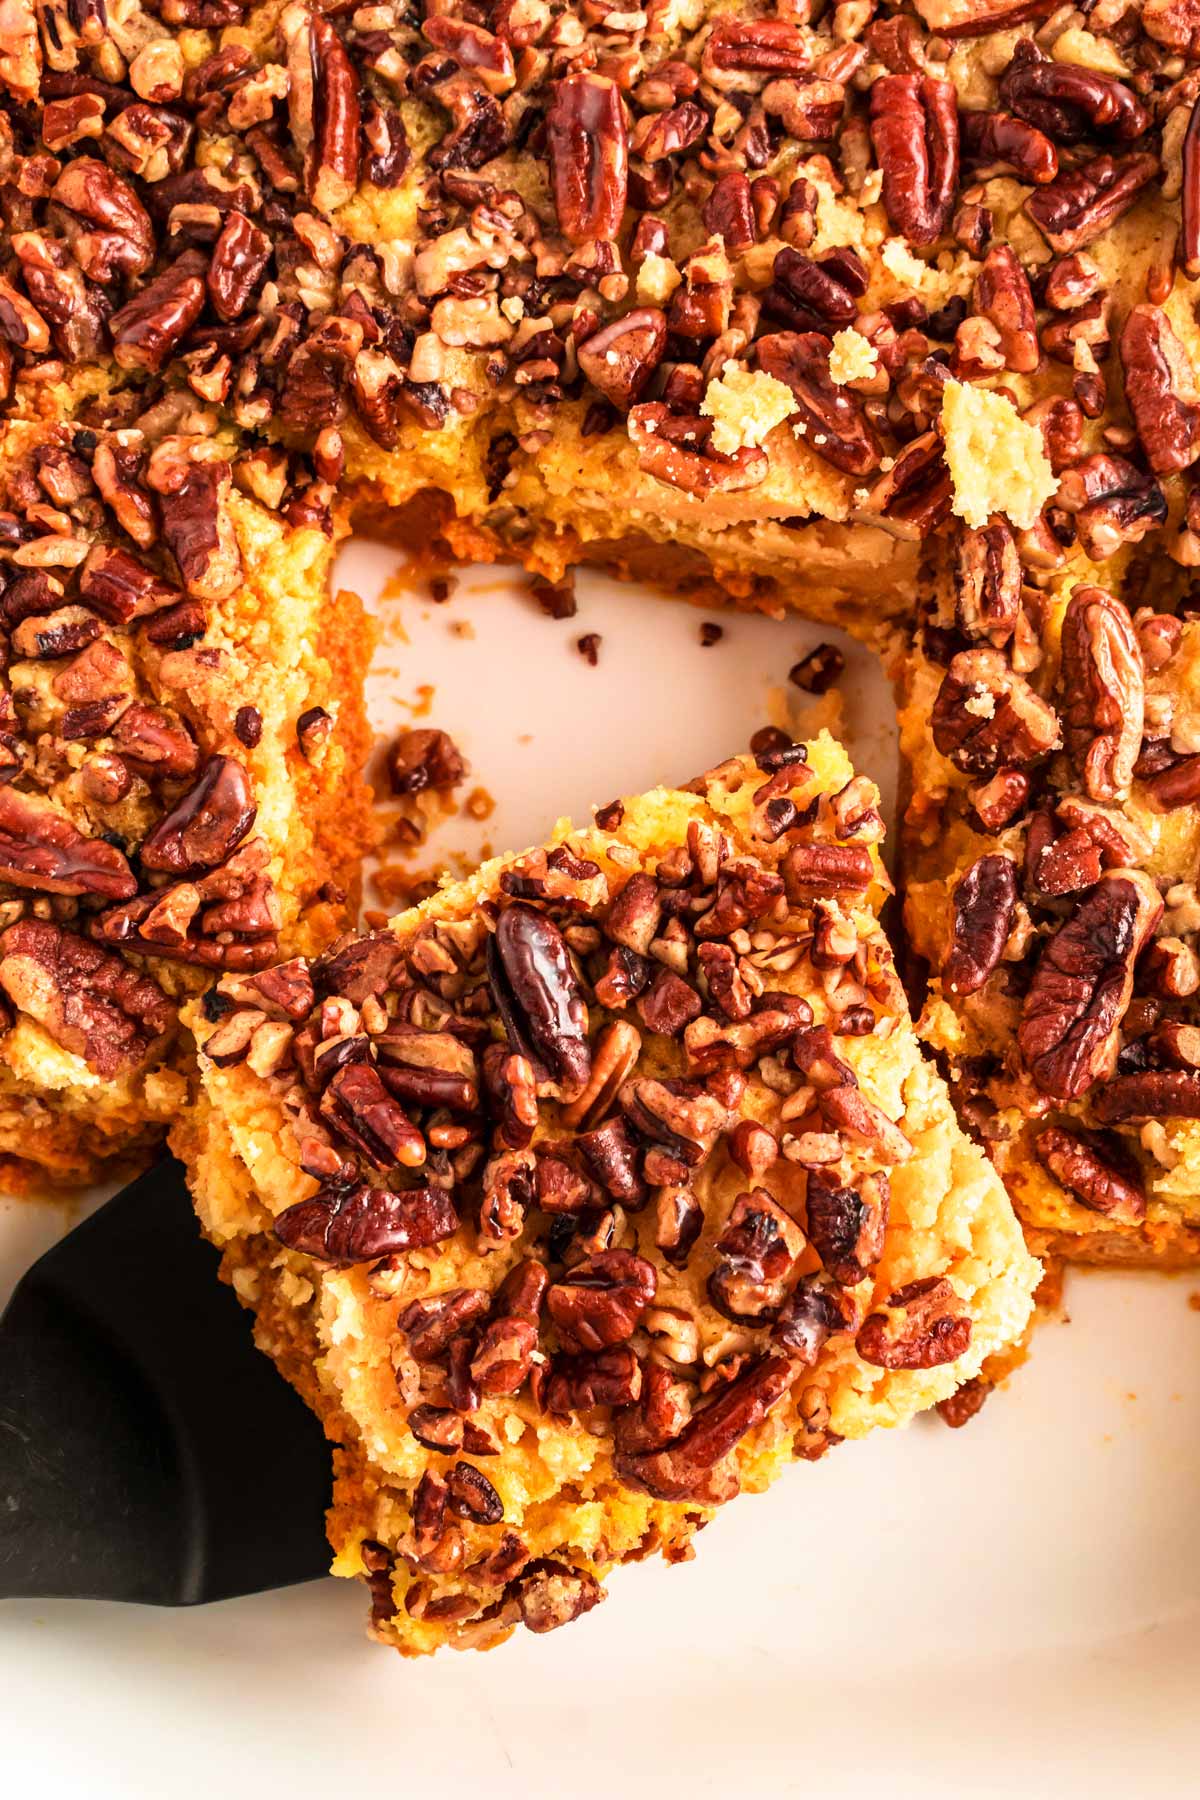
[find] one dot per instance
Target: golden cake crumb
(997, 461)
(747, 405)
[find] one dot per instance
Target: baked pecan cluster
(607, 1081)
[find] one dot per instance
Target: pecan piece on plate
(920, 1327)
(834, 418)
(1081, 203)
(987, 717)
(1160, 386)
(1104, 692)
(87, 999)
(422, 758)
(589, 157)
(695, 1465)
(1096, 1169)
(40, 848)
(1068, 1035)
(985, 900)
(914, 129)
(347, 1225)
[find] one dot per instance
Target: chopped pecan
(428, 1068)
(846, 1225)
(1104, 688)
(811, 1315)
(433, 1323)
(610, 1151)
(914, 129)
(239, 257)
(1003, 144)
(421, 758)
(1189, 199)
(346, 1225)
(323, 107)
(117, 238)
(586, 139)
(690, 1467)
(199, 532)
(755, 1254)
(550, 1594)
(1096, 1169)
(600, 1301)
(987, 717)
(834, 418)
(1160, 387)
(120, 588)
(668, 1004)
(88, 1000)
(620, 358)
(40, 848)
(985, 901)
(929, 1331)
(157, 745)
(358, 1107)
(1081, 203)
(537, 993)
(1083, 983)
(813, 871)
(508, 1192)
(471, 1495)
(210, 821)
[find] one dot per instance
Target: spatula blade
(148, 1451)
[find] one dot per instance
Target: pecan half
(675, 449)
(199, 532)
(323, 107)
(1003, 296)
(600, 1302)
(430, 1325)
(929, 1331)
(537, 992)
(589, 158)
(1083, 983)
(986, 717)
(1096, 1170)
(988, 601)
(358, 1107)
(914, 130)
(1069, 103)
(1003, 144)
(690, 1467)
(358, 1224)
(834, 418)
(239, 257)
(985, 900)
(1083, 202)
(88, 1000)
(1104, 688)
(1156, 1094)
(603, 1378)
(148, 329)
(1160, 386)
(210, 821)
(40, 848)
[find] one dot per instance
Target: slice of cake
(596, 1189)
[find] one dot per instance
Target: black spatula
(147, 1450)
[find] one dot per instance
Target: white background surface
(1013, 1609)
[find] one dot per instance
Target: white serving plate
(1013, 1609)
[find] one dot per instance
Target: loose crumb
(588, 647)
(711, 633)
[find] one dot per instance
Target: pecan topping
(206, 825)
(1083, 202)
(929, 1331)
(914, 128)
(690, 1466)
(1005, 144)
(585, 136)
(985, 900)
(323, 108)
(675, 450)
(537, 992)
(432, 1324)
(88, 1000)
(1160, 386)
(359, 1108)
(986, 717)
(1003, 296)
(40, 848)
(1096, 1170)
(199, 532)
(1189, 200)
(813, 871)
(755, 1254)
(603, 1378)
(811, 1315)
(239, 257)
(1104, 688)
(147, 330)
(1083, 983)
(471, 1495)
(346, 1225)
(600, 1302)
(1069, 103)
(834, 417)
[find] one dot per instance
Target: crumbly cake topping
(612, 1143)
